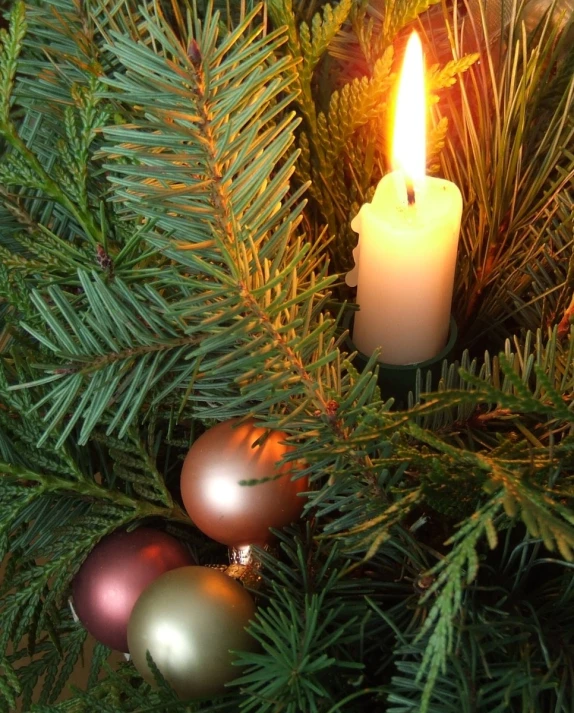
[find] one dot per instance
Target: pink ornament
(114, 575)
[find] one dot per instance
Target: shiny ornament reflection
(114, 575)
(189, 620)
(217, 502)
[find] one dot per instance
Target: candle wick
(410, 193)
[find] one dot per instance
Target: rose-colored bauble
(219, 505)
(114, 575)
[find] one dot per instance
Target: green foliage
(518, 648)
(315, 40)
(460, 566)
(312, 614)
(163, 270)
(515, 185)
(145, 344)
(11, 40)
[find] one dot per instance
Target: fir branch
(120, 330)
(308, 629)
(316, 40)
(10, 49)
(455, 570)
(518, 175)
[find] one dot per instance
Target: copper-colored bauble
(217, 502)
(114, 575)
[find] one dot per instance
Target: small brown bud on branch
(194, 53)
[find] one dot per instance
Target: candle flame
(409, 139)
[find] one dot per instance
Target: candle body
(406, 265)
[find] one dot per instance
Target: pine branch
(518, 176)
(57, 191)
(460, 566)
(308, 629)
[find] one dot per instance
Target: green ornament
(189, 619)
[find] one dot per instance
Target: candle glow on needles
(409, 136)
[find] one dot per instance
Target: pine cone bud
(104, 260)
(194, 53)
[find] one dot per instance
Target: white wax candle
(408, 239)
(405, 269)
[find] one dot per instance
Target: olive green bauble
(189, 619)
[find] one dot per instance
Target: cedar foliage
(176, 186)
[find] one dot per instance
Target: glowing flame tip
(409, 139)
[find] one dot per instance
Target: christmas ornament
(219, 505)
(189, 620)
(113, 576)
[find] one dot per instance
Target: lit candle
(408, 240)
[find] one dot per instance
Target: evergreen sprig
(517, 182)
